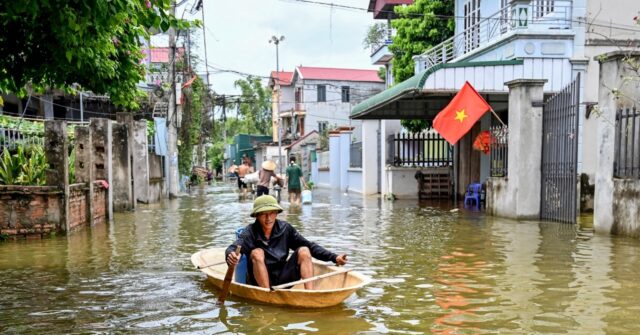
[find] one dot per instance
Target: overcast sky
(315, 35)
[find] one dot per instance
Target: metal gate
(560, 155)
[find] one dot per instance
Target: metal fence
(499, 151)
(11, 138)
(626, 162)
(420, 149)
(355, 155)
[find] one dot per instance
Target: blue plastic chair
(474, 194)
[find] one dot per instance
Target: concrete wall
(324, 179)
(615, 201)
(140, 162)
(354, 180)
(121, 167)
(401, 182)
(518, 195)
(626, 208)
(389, 127)
(156, 180)
(102, 152)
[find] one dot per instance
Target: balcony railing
(553, 15)
(385, 40)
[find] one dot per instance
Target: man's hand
(233, 258)
(341, 259)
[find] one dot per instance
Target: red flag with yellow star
(461, 114)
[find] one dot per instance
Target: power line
(631, 28)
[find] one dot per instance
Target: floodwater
(435, 270)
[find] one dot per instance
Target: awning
(409, 87)
(419, 98)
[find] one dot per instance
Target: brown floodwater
(435, 270)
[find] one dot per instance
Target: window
(345, 94)
(322, 126)
(322, 93)
(543, 7)
(471, 24)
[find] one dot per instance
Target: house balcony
(520, 20)
(383, 9)
(380, 53)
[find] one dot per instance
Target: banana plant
(34, 167)
(9, 169)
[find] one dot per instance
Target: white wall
(334, 111)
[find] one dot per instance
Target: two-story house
(318, 98)
(535, 48)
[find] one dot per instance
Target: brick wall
(30, 210)
(34, 211)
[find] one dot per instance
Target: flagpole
(497, 117)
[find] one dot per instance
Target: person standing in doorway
(295, 180)
(266, 172)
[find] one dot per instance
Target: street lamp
(275, 40)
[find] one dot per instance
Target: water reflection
(436, 270)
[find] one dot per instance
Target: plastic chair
(474, 193)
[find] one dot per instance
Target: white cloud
(315, 35)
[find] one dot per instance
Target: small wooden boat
(333, 284)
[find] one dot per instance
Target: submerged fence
(499, 151)
(626, 162)
(420, 149)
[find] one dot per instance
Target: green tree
(254, 107)
(419, 27)
(96, 44)
(191, 132)
(376, 35)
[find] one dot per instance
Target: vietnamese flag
(461, 114)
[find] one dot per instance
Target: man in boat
(267, 242)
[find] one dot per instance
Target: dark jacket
(276, 250)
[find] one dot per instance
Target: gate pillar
(525, 148)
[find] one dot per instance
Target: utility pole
(275, 40)
(171, 161)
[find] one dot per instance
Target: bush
(25, 167)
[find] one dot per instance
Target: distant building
(317, 98)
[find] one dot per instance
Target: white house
(518, 54)
(319, 98)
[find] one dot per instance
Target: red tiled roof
(284, 77)
(327, 73)
(161, 54)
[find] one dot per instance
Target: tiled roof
(284, 77)
(327, 73)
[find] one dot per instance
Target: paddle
(210, 265)
(314, 278)
(227, 280)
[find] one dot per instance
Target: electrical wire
(618, 26)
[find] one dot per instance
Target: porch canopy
(427, 93)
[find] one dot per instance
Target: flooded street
(435, 271)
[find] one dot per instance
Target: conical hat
(269, 165)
